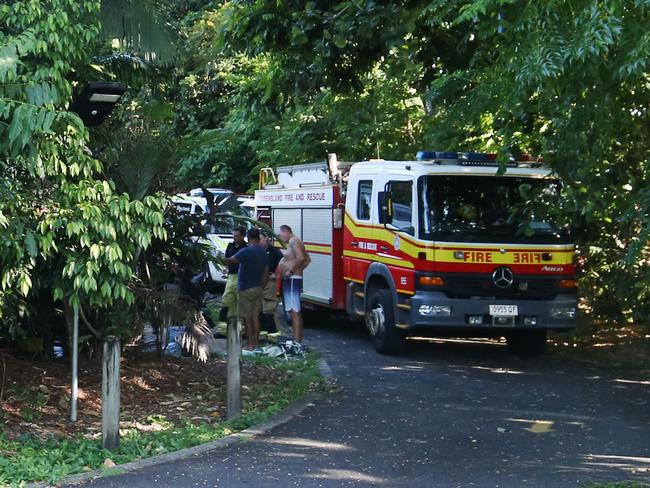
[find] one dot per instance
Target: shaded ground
(35, 395)
(619, 347)
(447, 414)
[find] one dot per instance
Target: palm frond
(139, 27)
(197, 337)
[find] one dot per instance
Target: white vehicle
(246, 205)
(218, 235)
(219, 193)
(218, 244)
(191, 205)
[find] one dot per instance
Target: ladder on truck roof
(303, 175)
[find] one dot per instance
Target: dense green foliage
(287, 82)
(244, 85)
(66, 232)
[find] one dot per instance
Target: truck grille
(524, 287)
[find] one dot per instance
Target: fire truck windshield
(471, 208)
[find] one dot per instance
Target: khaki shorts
(250, 302)
(269, 297)
(229, 298)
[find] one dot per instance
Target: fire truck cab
(440, 245)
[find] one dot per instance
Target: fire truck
(445, 244)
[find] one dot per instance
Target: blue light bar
(468, 158)
(473, 156)
(447, 155)
(487, 163)
(424, 155)
(429, 155)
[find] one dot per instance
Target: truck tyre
(527, 343)
(380, 321)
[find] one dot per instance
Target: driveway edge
(275, 420)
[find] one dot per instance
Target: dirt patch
(35, 395)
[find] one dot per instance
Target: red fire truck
(440, 245)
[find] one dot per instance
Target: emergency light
(428, 155)
(475, 158)
(531, 159)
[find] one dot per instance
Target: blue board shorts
(291, 290)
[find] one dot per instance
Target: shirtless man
(294, 261)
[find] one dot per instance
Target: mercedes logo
(503, 277)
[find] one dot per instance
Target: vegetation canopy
(219, 89)
(66, 231)
(568, 80)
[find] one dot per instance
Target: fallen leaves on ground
(36, 398)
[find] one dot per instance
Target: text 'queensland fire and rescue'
(297, 197)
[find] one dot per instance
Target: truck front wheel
(527, 342)
(380, 321)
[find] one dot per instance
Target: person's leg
(268, 307)
(286, 303)
(256, 309)
(251, 336)
(277, 320)
(230, 296)
(245, 313)
(293, 299)
(296, 321)
(255, 331)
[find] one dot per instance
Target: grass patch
(29, 458)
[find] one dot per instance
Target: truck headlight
(435, 310)
(563, 312)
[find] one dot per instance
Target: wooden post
(111, 394)
(74, 389)
(233, 359)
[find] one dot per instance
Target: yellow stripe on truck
(379, 258)
(324, 249)
(380, 233)
(474, 252)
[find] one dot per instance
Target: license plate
(504, 310)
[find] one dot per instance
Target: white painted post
(233, 361)
(111, 394)
(74, 390)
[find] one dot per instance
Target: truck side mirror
(385, 208)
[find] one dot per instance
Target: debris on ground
(36, 396)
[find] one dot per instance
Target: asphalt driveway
(447, 414)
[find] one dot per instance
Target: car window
(364, 199)
(402, 198)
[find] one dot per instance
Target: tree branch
(92, 329)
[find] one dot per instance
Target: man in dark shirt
(252, 277)
(269, 295)
(229, 298)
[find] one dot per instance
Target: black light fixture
(96, 101)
